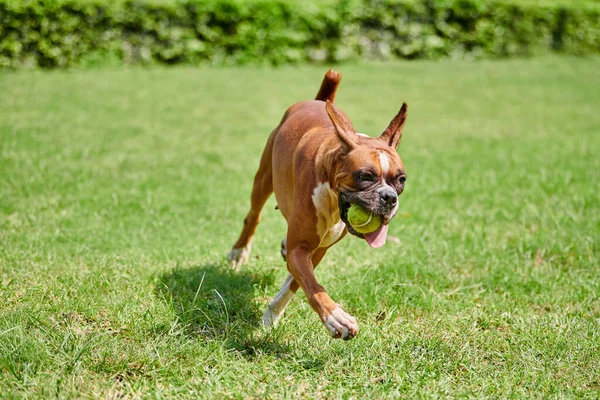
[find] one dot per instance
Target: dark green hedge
(60, 33)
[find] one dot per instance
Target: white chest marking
(329, 225)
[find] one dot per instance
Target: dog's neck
(328, 165)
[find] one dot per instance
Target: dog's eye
(365, 177)
(402, 179)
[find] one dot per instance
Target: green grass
(122, 190)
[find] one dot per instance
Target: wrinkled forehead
(381, 159)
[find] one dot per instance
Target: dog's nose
(389, 197)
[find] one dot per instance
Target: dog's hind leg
(262, 189)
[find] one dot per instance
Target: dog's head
(369, 171)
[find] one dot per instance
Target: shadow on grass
(213, 302)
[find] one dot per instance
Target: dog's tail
(329, 86)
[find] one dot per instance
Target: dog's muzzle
(381, 201)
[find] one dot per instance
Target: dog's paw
(270, 318)
(341, 324)
(239, 256)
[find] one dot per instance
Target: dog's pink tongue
(377, 239)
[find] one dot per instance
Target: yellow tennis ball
(362, 220)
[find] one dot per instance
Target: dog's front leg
(337, 321)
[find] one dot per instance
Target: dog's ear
(393, 133)
(344, 129)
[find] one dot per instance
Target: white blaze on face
(385, 162)
(329, 225)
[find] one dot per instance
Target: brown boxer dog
(318, 166)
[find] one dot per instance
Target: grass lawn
(121, 192)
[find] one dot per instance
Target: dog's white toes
(239, 256)
(270, 318)
(341, 324)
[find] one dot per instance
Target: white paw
(341, 324)
(239, 256)
(276, 308)
(270, 318)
